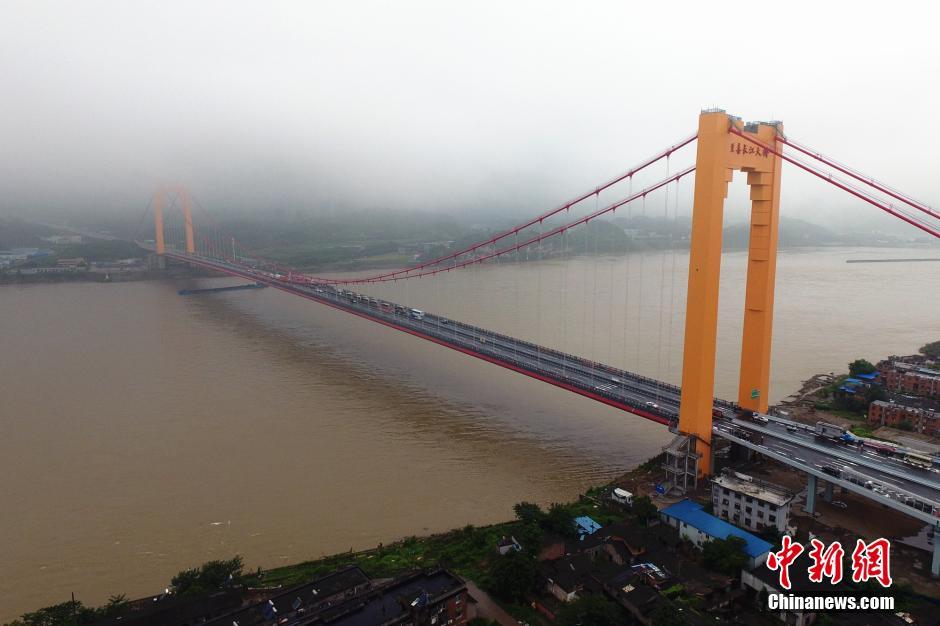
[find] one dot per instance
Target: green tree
(592, 610)
(528, 513)
(208, 577)
(115, 605)
(559, 520)
(71, 613)
(725, 555)
(860, 366)
(513, 575)
(931, 349)
(530, 536)
(644, 509)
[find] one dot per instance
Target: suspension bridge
(723, 144)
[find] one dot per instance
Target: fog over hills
(476, 111)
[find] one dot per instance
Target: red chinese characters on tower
(782, 560)
(827, 562)
(872, 560)
(747, 148)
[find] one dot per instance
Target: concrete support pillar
(811, 495)
(827, 495)
(935, 566)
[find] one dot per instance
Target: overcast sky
(459, 106)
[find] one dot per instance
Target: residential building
(698, 527)
(751, 503)
(307, 599)
(348, 597)
(881, 413)
(63, 239)
(71, 263)
(638, 567)
(907, 377)
(564, 578)
(435, 597)
(505, 545)
(586, 526)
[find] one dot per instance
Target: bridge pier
(935, 565)
(827, 494)
(811, 496)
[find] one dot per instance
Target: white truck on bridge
(829, 431)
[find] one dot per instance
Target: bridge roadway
(792, 443)
(646, 397)
(918, 498)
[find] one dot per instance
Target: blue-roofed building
(586, 526)
(868, 377)
(851, 385)
(698, 527)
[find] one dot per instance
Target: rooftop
(916, 368)
(767, 492)
(306, 596)
(586, 526)
(397, 600)
(692, 514)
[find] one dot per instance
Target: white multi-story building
(750, 503)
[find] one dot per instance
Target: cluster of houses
(17, 256)
(343, 597)
(913, 385)
(647, 569)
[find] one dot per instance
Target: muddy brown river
(143, 432)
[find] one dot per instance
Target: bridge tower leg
(719, 153)
(754, 380)
(701, 319)
(158, 235)
(187, 203)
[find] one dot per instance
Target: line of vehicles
(838, 434)
(889, 491)
(376, 303)
(912, 458)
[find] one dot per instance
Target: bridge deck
(646, 397)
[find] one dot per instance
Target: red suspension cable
(409, 272)
(841, 185)
(518, 246)
(868, 180)
(544, 216)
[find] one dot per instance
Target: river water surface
(142, 432)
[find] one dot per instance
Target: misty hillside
(794, 233)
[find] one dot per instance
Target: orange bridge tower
(719, 154)
(159, 203)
